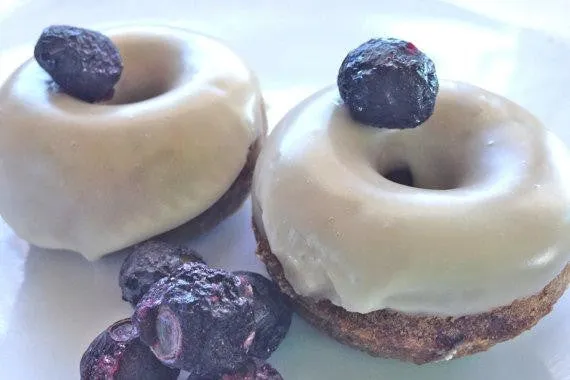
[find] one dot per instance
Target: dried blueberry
(255, 369)
(147, 263)
(272, 311)
(118, 354)
(197, 320)
(388, 83)
(84, 63)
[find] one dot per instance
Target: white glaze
(499, 232)
(95, 178)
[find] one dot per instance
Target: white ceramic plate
(53, 303)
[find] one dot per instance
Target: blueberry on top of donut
(84, 63)
(388, 83)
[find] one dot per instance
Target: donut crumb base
(419, 339)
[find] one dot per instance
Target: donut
(176, 144)
(468, 248)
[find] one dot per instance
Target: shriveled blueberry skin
(84, 63)
(254, 370)
(197, 320)
(388, 83)
(272, 312)
(118, 354)
(147, 263)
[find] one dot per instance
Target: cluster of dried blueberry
(84, 63)
(213, 324)
(388, 83)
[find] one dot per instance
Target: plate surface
(53, 303)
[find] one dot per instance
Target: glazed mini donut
(482, 223)
(183, 125)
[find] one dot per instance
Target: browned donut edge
(417, 338)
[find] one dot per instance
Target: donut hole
(441, 179)
(401, 176)
(145, 91)
(152, 66)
